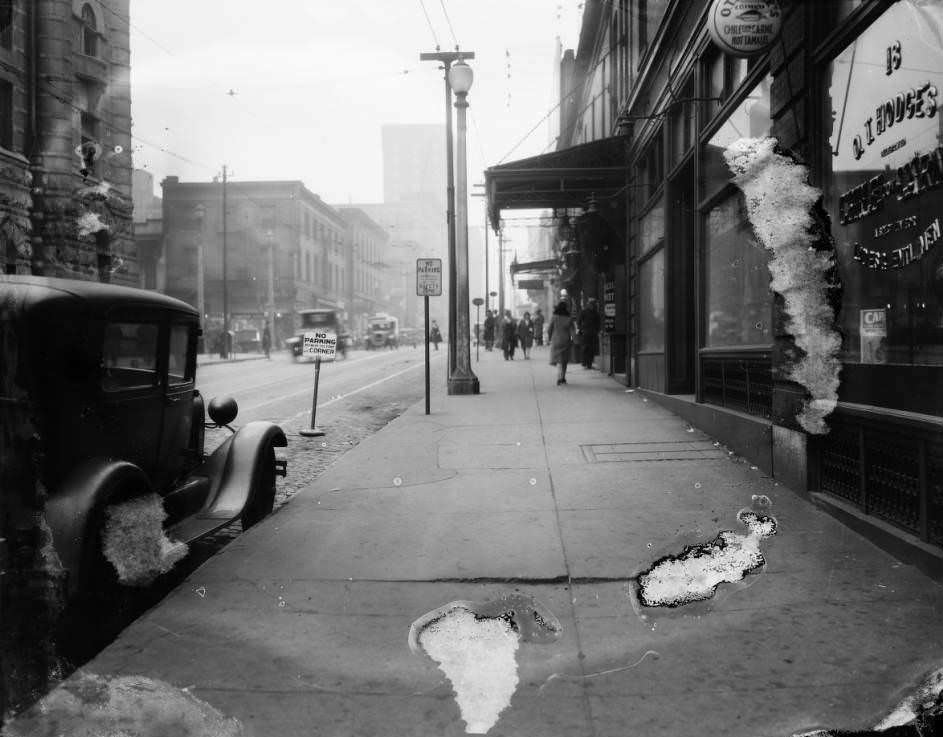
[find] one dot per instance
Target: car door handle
(174, 399)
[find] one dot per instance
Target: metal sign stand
(426, 300)
(320, 344)
(428, 283)
(314, 431)
(478, 302)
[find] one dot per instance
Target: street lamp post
(461, 378)
(447, 58)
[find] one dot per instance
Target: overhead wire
(449, 21)
(425, 12)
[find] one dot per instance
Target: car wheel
(262, 500)
(98, 610)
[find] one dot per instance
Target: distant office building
(414, 164)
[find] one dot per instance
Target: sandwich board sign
(429, 277)
(319, 344)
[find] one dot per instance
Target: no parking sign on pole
(320, 344)
(428, 284)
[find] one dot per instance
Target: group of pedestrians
(563, 330)
(511, 334)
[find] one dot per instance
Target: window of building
(650, 168)
(6, 114)
(6, 23)
(681, 122)
(884, 191)
(737, 293)
(89, 31)
(750, 119)
(651, 241)
(651, 276)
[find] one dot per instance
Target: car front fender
(92, 485)
(236, 467)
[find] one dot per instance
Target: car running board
(193, 528)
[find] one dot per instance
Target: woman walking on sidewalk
(560, 337)
(525, 333)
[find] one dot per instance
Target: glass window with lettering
(885, 190)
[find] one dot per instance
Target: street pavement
(565, 494)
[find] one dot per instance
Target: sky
(314, 81)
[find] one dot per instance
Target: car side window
(129, 355)
(179, 367)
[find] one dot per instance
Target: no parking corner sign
(744, 27)
(319, 344)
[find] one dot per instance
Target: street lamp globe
(460, 77)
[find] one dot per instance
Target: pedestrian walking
(489, 330)
(435, 336)
(525, 334)
(560, 336)
(589, 331)
(539, 328)
(509, 336)
(266, 342)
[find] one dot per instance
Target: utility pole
(501, 272)
(270, 289)
(226, 342)
(487, 281)
(446, 58)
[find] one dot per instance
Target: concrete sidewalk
(299, 627)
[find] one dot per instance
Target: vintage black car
(97, 386)
(314, 320)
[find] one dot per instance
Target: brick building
(649, 220)
(321, 256)
(65, 144)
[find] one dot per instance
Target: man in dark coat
(508, 336)
(539, 327)
(590, 324)
(489, 330)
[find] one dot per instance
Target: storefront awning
(564, 178)
(547, 266)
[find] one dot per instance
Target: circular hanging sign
(744, 27)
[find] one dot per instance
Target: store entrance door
(681, 338)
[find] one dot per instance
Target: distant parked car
(248, 341)
(101, 379)
(313, 320)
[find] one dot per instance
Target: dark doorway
(680, 344)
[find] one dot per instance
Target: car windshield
(317, 319)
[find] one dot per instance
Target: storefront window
(652, 303)
(751, 119)
(885, 192)
(739, 300)
(652, 227)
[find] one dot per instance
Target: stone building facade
(65, 142)
(825, 374)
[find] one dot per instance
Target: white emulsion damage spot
(89, 705)
(478, 658)
(779, 204)
(695, 574)
(134, 541)
(475, 645)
